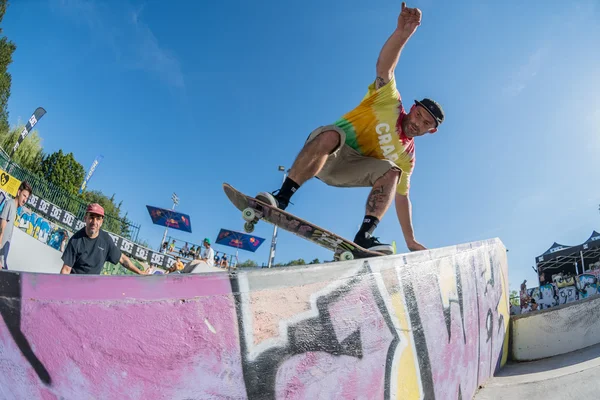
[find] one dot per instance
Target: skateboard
(254, 210)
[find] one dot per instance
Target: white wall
(556, 331)
(31, 255)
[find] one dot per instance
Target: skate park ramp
(31, 255)
(426, 325)
(572, 375)
(555, 331)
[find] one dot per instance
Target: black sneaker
(372, 243)
(273, 199)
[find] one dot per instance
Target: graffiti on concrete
(567, 294)
(41, 229)
(400, 328)
(547, 296)
(562, 291)
(326, 341)
(562, 282)
(588, 285)
(464, 320)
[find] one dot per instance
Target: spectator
(91, 247)
(224, 262)
(176, 267)
(523, 294)
(207, 258)
(7, 220)
(172, 246)
(534, 305)
(65, 240)
(183, 252)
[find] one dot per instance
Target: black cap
(433, 108)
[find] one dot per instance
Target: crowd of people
(220, 259)
(90, 248)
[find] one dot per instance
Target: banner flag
(239, 240)
(37, 115)
(90, 173)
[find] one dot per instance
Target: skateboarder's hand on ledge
(413, 245)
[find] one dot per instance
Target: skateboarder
(370, 146)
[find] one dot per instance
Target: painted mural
(42, 229)
(562, 290)
(417, 326)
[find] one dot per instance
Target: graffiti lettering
(404, 327)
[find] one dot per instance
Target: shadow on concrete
(548, 364)
(10, 309)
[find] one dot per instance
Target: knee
(327, 141)
(391, 176)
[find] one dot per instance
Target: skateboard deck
(254, 210)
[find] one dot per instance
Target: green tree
(515, 298)
(299, 261)
(63, 171)
(29, 154)
(7, 48)
(315, 261)
(248, 264)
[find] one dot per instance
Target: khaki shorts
(346, 167)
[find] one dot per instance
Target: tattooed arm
(404, 211)
(408, 21)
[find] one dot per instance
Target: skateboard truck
(251, 216)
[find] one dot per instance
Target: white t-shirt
(209, 256)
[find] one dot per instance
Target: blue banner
(239, 240)
(170, 219)
(90, 173)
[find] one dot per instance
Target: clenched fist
(409, 20)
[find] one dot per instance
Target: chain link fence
(65, 200)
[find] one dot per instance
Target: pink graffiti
(464, 338)
(318, 375)
(113, 334)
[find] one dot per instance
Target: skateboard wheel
(249, 214)
(249, 227)
(346, 256)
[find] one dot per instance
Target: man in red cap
(91, 247)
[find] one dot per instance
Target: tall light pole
(281, 168)
(175, 202)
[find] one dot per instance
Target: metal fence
(67, 201)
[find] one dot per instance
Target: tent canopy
(592, 242)
(561, 258)
(557, 250)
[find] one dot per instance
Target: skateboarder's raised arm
(408, 21)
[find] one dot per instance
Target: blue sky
(183, 96)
